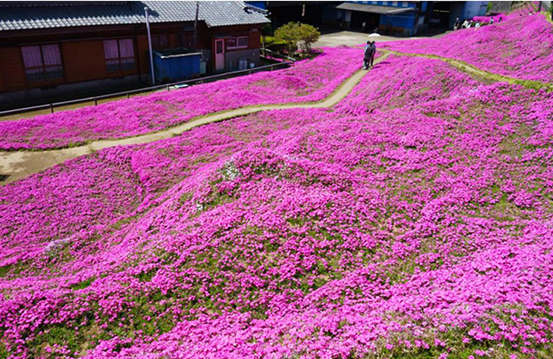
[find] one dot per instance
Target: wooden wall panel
(83, 53)
(2, 82)
(143, 55)
(13, 71)
(254, 40)
(83, 60)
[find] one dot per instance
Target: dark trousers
(367, 60)
(371, 61)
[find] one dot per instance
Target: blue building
(405, 18)
(259, 4)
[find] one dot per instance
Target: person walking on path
(367, 55)
(373, 53)
(457, 24)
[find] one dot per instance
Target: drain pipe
(196, 25)
(150, 45)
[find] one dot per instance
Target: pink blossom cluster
(420, 81)
(487, 19)
(414, 219)
(307, 81)
(520, 47)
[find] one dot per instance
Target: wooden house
(51, 50)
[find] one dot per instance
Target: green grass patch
(84, 284)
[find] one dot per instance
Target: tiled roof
(214, 13)
(43, 15)
(51, 15)
(375, 9)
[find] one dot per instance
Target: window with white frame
(237, 42)
(42, 62)
(119, 55)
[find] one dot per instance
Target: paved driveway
(351, 38)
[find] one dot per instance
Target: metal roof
(375, 9)
(44, 15)
(214, 13)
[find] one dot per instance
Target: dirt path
(20, 164)
(473, 70)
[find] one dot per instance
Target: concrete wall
(232, 58)
(500, 6)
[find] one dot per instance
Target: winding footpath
(20, 164)
(475, 71)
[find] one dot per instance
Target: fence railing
(265, 51)
(167, 87)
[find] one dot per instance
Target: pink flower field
(488, 19)
(412, 220)
(520, 47)
(307, 81)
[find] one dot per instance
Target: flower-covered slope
(393, 225)
(104, 190)
(405, 81)
(520, 47)
(305, 82)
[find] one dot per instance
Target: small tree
(295, 33)
(308, 36)
(289, 34)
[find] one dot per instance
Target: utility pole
(150, 45)
(196, 25)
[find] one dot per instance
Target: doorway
(219, 55)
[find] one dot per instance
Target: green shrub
(294, 34)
